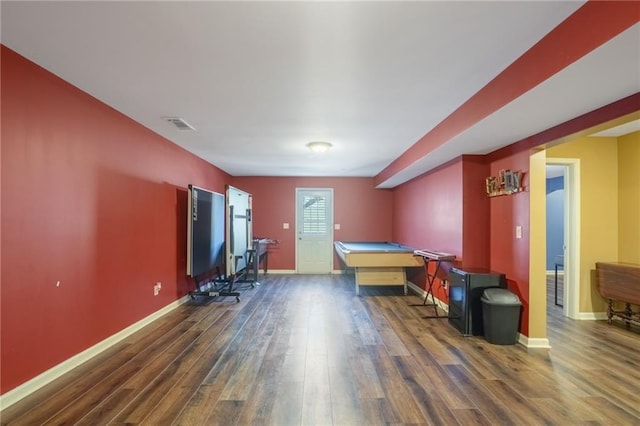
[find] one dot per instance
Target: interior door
(314, 230)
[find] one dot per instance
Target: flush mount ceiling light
(319, 146)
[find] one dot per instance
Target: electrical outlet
(156, 288)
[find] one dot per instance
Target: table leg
(430, 281)
(256, 266)
(266, 260)
(555, 288)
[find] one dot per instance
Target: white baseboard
(53, 373)
(422, 293)
(416, 289)
(592, 316)
(522, 339)
(533, 342)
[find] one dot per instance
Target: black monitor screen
(205, 231)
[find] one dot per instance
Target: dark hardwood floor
(306, 350)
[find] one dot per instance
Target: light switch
(518, 231)
(285, 226)
(336, 226)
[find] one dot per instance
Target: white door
(314, 230)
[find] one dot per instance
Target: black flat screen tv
(205, 232)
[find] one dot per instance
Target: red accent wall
(93, 200)
(363, 212)
(507, 253)
(475, 238)
(448, 210)
(428, 214)
(445, 210)
(428, 210)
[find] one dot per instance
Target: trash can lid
(500, 296)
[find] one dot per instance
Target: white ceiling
(617, 131)
(259, 80)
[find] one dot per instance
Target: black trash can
(501, 316)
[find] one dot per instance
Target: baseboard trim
(422, 293)
(29, 387)
(522, 339)
(416, 289)
(533, 342)
(592, 316)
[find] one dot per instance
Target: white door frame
(571, 295)
(298, 190)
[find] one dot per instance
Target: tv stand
(220, 286)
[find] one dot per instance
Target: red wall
(507, 253)
(428, 214)
(90, 199)
(97, 202)
(475, 238)
(363, 212)
(428, 210)
(446, 210)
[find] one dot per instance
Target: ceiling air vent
(180, 124)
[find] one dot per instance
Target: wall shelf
(508, 182)
(505, 192)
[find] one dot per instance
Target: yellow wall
(629, 198)
(537, 248)
(598, 209)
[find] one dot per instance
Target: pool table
(378, 263)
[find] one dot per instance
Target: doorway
(568, 258)
(314, 230)
(555, 235)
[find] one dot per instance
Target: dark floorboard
(306, 350)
